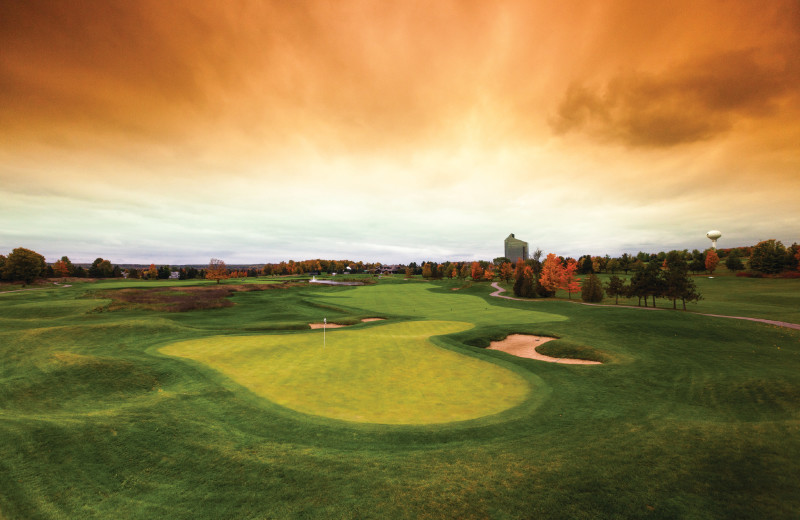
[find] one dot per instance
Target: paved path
(499, 294)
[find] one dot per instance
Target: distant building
(515, 248)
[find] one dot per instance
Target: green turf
(389, 374)
(689, 417)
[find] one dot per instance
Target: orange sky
(395, 131)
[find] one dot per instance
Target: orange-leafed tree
(427, 272)
(476, 271)
(488, 274)
(506, 271)
(60, 268)
(712, 260)
(568, 282)
(152, 273)
(550, 278)
(217, 270)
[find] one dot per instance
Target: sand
(524, 345)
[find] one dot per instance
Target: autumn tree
(568, 281)
(712, 260)
(152, 272)
(592, 289)
(426, 271)
(550, 278)
(488, 274)
(61, 269)
(612, 265)
(506, 271)
(797, 257)
(463, 273)
(23, 264)
(217, 270)
(476, 271)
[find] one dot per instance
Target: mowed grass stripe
(388, 374)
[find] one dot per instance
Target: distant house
(174, 275)
(515, 248)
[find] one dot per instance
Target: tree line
(768, 257)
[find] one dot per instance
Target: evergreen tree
(615, 287)
(592, 289)
(677, 282)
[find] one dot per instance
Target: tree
(615, 287)
(797, 257)
(476, 271)
(592, 290)
(463, 273)
(676, 280)
(612, 265)
(625, 262)
(152, 272)
(698, 262)
(550, 278)
(768, 256)
(734, 262)
(567, 281)
(61, 269)
(409, 272)
(523, 281)
(24, 264)
(427, 273)
(586, 265)
(217, 270)
(506, 271)
(488, 274)
(712, 260)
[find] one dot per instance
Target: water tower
(714, 235)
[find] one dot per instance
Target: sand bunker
(327, 326)
(339, 325)
(524, 345)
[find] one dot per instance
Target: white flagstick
(324, 324)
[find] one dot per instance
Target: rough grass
(692, 417)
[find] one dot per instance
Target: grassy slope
(767, 298)
(695, 417)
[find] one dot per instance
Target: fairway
(390, 374)
(126, 411)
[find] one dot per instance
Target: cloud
(695, 101)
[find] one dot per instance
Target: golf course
(193, 400)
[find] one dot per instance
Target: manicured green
(389, 374)
(690, 416)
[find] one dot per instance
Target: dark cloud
(694, 101)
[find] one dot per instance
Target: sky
(260, 131)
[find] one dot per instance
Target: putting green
(388, 374)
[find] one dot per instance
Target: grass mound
(389, 374)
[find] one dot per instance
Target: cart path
(499, 294)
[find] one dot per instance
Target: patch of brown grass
(182, 299)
